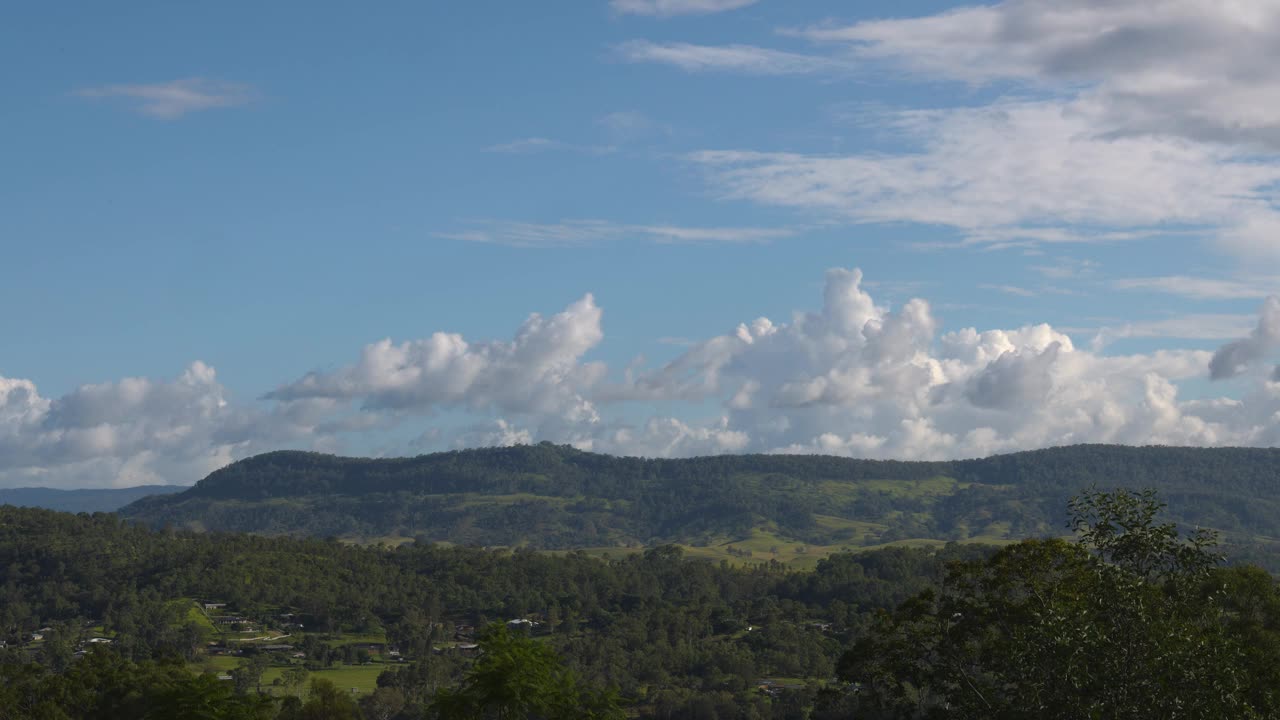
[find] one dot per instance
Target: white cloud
(1196, 326)
(131, 432)
(1197, 68)
(538, 372)
(1034, 170)
(854, 377)
(1237, 356)
(498, 433)
(1200, 288)
(668, 8)
(174, 99)
(1119, 120)
(528, 146)
(578, 233)
(748, 59)
(861, 379)
(1009, 289)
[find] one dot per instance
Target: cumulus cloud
(859, 378)
(539, 371)
(854, 377)
(1237, 356)
(130, 432)
(174, 99)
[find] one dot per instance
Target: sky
(648, 227)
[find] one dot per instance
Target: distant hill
(95, 500)
(761, 506)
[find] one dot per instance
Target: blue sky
(214, 216)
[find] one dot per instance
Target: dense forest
(665, 631)
(547, 496)
(101, 618)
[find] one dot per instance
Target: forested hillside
(762, 506)
(103, 619)
(669, 633)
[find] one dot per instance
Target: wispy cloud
(748, 59)
(1196, 68)
(1009, 289)
(579, 233)
(1067, 268)
(668, 8)
(1196, 326)
(631, 125)
(174, 99)
(1201, 288)
(1021, 172)
(525, 146)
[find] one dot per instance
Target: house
(214, 606)
(99, 641)
(35, 636)
(521, 624)
(464, 632)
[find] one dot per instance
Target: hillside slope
(76, 501)
(555, 497)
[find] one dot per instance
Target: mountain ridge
(82, 499)
(557, 497)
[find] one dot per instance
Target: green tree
(325, 702)
(518, 678)
(1127, 623)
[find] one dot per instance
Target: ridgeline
(786, 507)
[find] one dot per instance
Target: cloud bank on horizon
(1069, 123)
(853, 378)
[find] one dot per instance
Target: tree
(248, 675)
(294, 678)
(1126, 623)
(519, 678)
(324, 702)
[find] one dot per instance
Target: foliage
(518, 678)
(668, 631)
(1132, 622)
(551, 497)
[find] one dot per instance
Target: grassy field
(364, 678)
(767, 543)
(354, 638)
